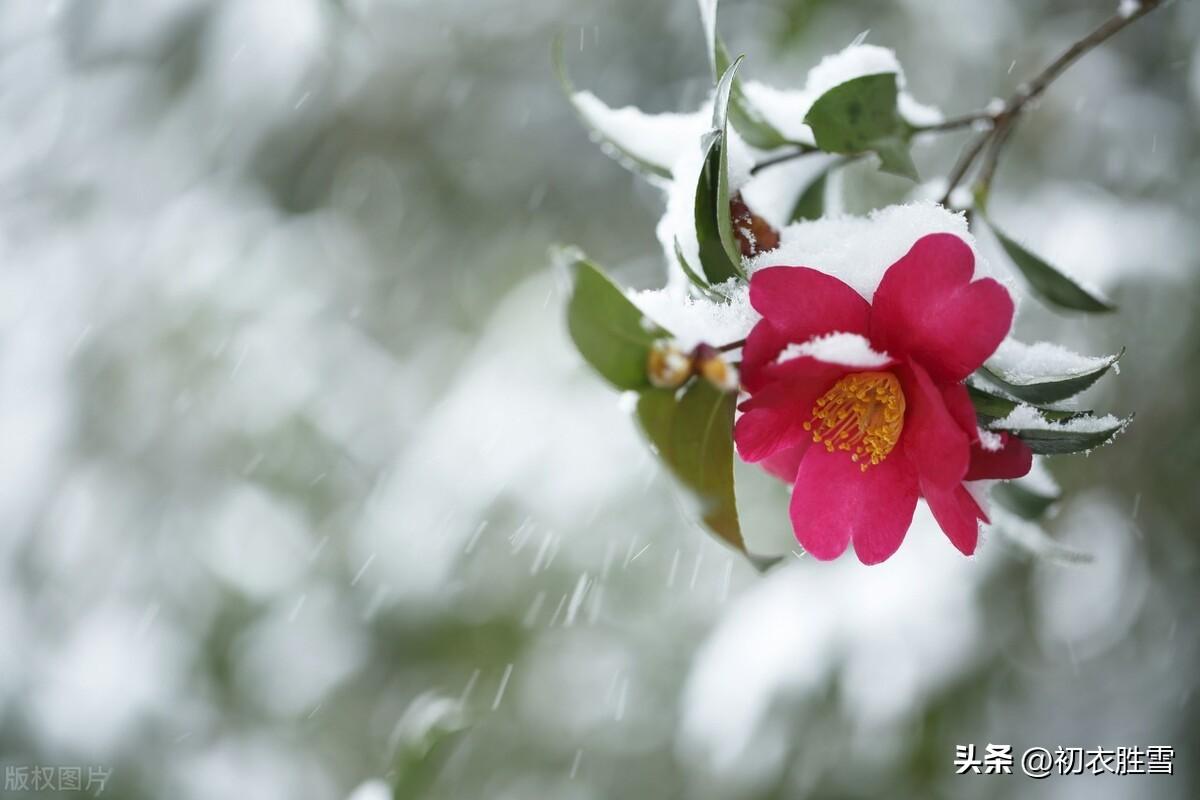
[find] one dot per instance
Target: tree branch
(785, 157)
(1006, 119)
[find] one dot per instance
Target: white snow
(372, 790)
(858, 250)
(692, 320)
(1127, 8)
(1026, 417)
(1021, 363)
(785, 109)
(852, 62)
(848, 349)
(772, 193)
(990, 441)
(917, 113)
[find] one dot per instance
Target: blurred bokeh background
(301, 485)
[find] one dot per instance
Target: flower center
(863, 414)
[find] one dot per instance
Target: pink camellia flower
(862, 405)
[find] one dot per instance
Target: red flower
(886, 433)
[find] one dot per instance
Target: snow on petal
(847, 349)
(990, 441)
(858, 250)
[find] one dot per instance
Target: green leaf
(894, 158)
(991, 406)
(811, 203)
(1046, 439)
(610, 145)
(695, 278)
(720, 256)
(746, 118)
(692, 431)
(1056, 439)
(1047, 282)
(1046, 388)
(608, 329)
(1022, 500)
(860, 115)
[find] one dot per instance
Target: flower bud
(667, 366)
(753, 233)
(711, 363)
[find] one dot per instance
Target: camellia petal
(802, 303)
(959, 404)
(783, 464)
(928, 308)
(762, 347)
(1013, 460)
(773, 418)
(834, 501)
(956, 513)
(932, 438)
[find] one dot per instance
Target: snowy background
(301, 484)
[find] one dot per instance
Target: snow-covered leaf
(993, 405)
(1044, 372)
(720, 255)
(695, 277)
(591, 111)
(861, 115)
(1044, 436)
(609, 331)
(692, 432)
(1049, 283)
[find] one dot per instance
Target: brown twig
(1005, 120)
(725, 348)
(803, 150)
(955, 123)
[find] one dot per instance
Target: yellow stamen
(862, 414)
